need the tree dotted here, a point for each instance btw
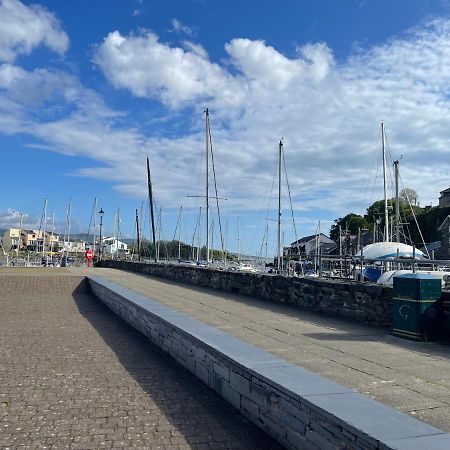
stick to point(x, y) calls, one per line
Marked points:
point(376, 211)
point(351, 222)
point(411, 194)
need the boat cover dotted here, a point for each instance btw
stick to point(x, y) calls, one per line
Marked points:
point(388, 250)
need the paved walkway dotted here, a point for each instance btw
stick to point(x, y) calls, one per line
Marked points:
point(411, 377)
point(72, 375)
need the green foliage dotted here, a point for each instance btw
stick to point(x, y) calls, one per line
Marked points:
point(169, 250)
point(351, 222)
point(429, 219)
point(376, 211)
point(429, 222)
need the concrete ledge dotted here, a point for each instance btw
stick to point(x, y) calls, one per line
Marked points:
point(298, 408)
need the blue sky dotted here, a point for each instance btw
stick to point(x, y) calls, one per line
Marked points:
point(88, 89)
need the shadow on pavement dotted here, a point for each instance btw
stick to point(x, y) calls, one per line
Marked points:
point(203, 418)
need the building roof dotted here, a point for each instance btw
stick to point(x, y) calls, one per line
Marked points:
point(326, 248)
point(431, 246)
point(112, 239)
point(445, 223)
point(445, 191)
point(307, 239)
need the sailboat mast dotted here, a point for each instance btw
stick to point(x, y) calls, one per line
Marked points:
point(53, 231)
point(318, 253)
point(212, 241)
point(207, 183)
point(397, 203)
point(44, 225)
point(239, 238)
point(138, 236)
point(386, 212)
point(225, 253)
point(179, 236)
point(67, 231)
point(117, 237)
point(20, 234)
point(94, 213)
point(69, 218)
point(199, 237)
point(159, 233)
point(280, 154)
point(150, 199)
point(267, 239)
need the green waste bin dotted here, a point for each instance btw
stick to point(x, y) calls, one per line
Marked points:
point(416, 306)
point(445, 306)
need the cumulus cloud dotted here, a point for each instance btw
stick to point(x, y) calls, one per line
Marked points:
point(179, 76)
point(263, 64)
point(11, 219)
point(149, 68)
point(26, 27)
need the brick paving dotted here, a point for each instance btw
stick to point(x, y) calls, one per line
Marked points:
point(72, 375)
point(413, 377)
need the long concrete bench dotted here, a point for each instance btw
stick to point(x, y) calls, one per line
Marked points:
point(298, 408)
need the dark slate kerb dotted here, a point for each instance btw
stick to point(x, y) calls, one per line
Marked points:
point(374, 421)
point(432, 442)
point(371, 421)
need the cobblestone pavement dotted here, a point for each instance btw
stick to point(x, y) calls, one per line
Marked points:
point(72, 375)
point(409, 376)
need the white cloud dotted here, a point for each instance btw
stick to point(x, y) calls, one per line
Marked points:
point(196, 49)
point(263, 64)
point(180, 28)
point(29, 99)
point(149, 68)
point(179, 77)
point(11, 219)
point(25, 27)
point(328, 111)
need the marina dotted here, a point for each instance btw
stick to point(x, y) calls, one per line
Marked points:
point(225, 225)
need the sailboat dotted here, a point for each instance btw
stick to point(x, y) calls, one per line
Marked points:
point(209, 156)
point(389, 250)
point(383, 251)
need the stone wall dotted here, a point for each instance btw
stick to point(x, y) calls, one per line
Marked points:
point(362, 302)
point(298, 408)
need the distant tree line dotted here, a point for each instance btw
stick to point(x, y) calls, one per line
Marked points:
point(169, 250)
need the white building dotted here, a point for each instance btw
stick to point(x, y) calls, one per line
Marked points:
point(72, 246)
point(112, 245)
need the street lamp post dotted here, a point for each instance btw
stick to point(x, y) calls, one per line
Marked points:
point(100, 246)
